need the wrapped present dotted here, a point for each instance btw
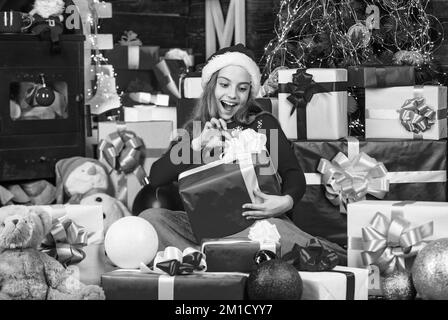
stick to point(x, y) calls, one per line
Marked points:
point(136, 285)
point(191, 86)
point(77, 240)
point(313, 103)
point(169, 74)
point(410, 174)
point(131, 54)
point(406, 112)
point(150, 113)
point(389, 234)
point(234, 254)
point(149, 98)
point(155, 137)
point(213, 194)
point(380, 77)
point(340, 283)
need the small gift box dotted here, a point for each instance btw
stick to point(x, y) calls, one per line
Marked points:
point(191, 86)
point(136, 285)
point(411, 174)
point(340, 283)
point(130, 54)
point(213, 194)
point(406, 112)
point(150, 113)
point(234, 254)
point(77, 240)
point(155, 137)
point(312, 103)
point(389, 234)
point(380, 77)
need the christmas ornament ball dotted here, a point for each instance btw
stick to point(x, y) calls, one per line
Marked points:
point(274, 280)
point(45, 96)
point(398, 286)
point(130, 241)
point(430, 271)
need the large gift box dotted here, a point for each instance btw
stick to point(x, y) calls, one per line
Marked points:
point(380, 77)
point(312, 103)
point(399, 228)
point(406, 112)
point(235, 254)
point(414, 170)
point(340, 283)
point(86, 260)
point(135, 285)
point(153, 139)
point(213, 194)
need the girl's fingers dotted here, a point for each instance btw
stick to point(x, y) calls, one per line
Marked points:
point(226, 135)
point(208, 125)
point(260, 194)
point(253, 206)
point(253, 215)
point(223, 124)
point(216, 123)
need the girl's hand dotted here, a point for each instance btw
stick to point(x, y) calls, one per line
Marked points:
point(211, 136)
point(272, 206)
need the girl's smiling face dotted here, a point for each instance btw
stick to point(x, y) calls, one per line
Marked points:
point(232, 90)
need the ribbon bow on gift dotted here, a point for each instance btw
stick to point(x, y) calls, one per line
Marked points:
point(301, 89)
point(386, 243)
point(129, 38)
point(64, 241)
point(416, 116)
point(350, 180)
point(124, 146)
point(313, 257)
point(174, 262)
point(244, 142)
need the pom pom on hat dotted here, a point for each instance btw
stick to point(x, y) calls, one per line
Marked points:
point(237, 55)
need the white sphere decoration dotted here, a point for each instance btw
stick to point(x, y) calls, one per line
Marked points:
point(130, 241)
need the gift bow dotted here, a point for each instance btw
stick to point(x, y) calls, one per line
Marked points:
point(416, 116)
point(264, 232)
point(314, 257)
point(301, 89)
point(129, 38)
point(64, 241)
point(174, 262)
point(246, 141)
point(350, 180)
point(386, 243)
point(124, 146)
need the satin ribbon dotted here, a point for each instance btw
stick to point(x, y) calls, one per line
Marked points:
point(313, 257)
point(121, 153)
point(129, 38)
point(386, 242)
point(350, 180)
point(416, 116)
point(64, 241)
point(173, 262)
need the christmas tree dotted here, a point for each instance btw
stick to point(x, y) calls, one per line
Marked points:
point(342, 33)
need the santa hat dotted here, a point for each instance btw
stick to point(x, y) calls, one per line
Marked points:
point(64, 168)
point(237, 55)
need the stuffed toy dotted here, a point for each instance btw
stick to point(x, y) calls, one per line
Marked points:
point(27, 273)
point(76, 177)
point(48, 17)
point(113, 209)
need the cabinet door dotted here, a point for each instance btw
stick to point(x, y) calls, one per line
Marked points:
point(26, 110)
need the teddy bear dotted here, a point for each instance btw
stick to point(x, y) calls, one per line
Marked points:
point(113, 209)
point(77, 176)
point(27, 273)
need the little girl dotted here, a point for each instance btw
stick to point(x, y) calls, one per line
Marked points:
point(231, 81)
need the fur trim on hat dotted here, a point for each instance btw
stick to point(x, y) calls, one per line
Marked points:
point(233, 58)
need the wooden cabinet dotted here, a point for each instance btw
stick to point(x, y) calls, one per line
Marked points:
point(34, 137)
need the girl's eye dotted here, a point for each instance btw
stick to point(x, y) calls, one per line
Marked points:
point(224, 85)
point(243, 89)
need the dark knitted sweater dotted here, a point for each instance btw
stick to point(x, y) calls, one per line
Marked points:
point(163, 171)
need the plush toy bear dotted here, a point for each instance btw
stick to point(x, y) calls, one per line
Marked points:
point(25, 272)
point(78, 176)
point(113, 209)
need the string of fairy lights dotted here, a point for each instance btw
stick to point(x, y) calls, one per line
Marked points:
point(334, 33)
point(97, 57)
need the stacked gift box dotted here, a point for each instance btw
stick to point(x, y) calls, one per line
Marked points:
point(402, 157)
